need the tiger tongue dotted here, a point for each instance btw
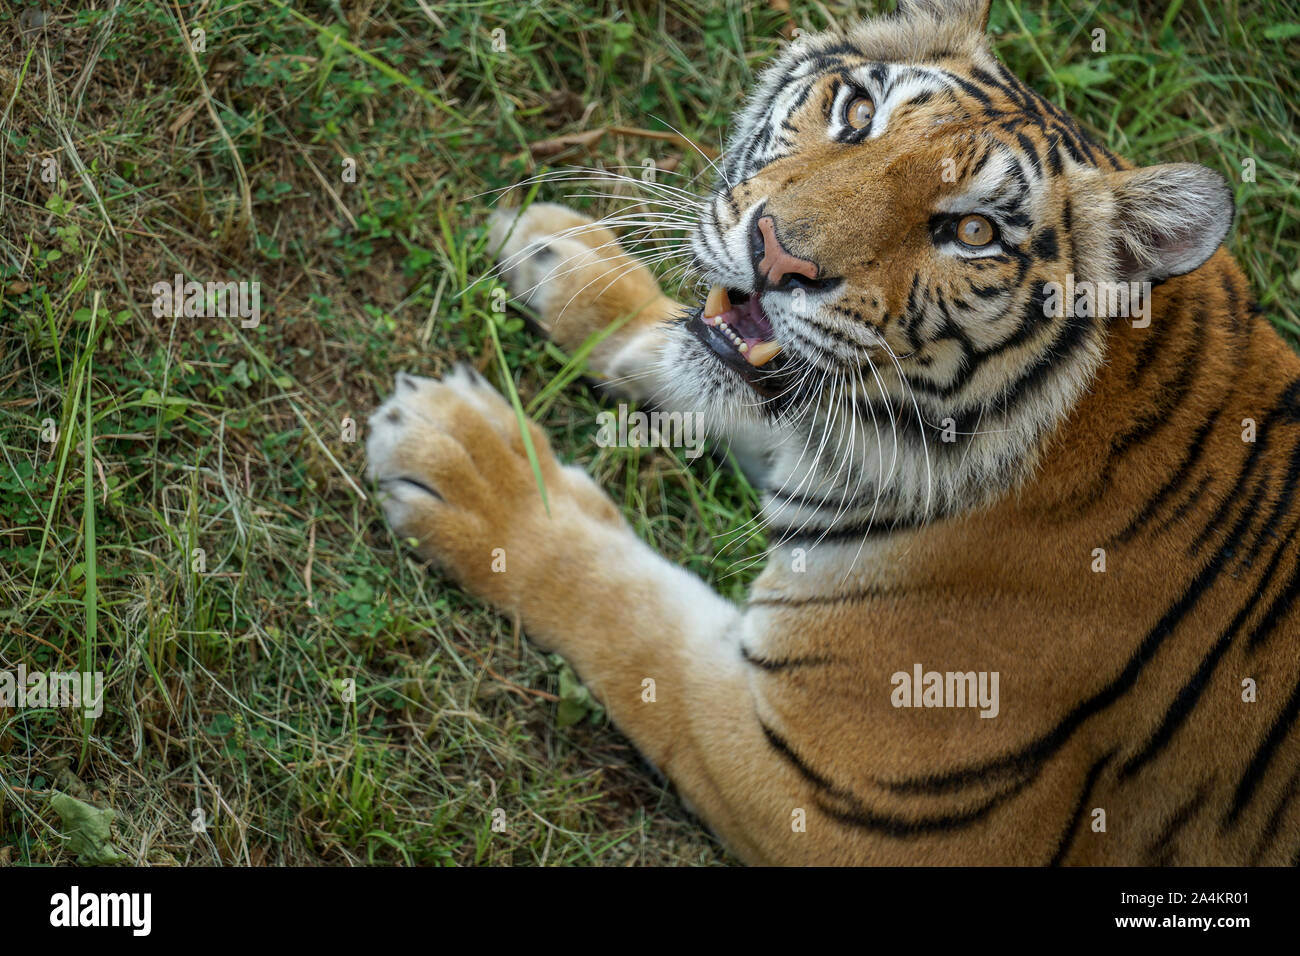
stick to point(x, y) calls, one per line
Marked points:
point(749, 320)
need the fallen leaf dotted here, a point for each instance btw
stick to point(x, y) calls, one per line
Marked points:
point(559, 144)
point(88, 831)
point(665, 137)
point(576, 701)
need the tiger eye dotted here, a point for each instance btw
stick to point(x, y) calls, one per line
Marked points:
point(975, 231)
point(859, 112)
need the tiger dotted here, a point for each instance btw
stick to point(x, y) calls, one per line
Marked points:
point(1031, 583)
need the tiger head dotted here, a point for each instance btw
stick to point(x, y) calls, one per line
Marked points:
point(889, 222)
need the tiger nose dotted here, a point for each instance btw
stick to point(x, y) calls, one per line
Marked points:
point(774, 262)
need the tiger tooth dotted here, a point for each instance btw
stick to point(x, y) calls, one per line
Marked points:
point(717, 303)
point(762, 353)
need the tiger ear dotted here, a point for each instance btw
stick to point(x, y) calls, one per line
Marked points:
point(1169, 218)
point(973, 12)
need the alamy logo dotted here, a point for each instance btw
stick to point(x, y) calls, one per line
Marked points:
point(653, 430)
point(948, 689)
point(103, 909)
point(208, 299)
point(1104, 299)
point(23, 690)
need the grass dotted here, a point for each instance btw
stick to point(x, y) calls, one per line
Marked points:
point(180, 506)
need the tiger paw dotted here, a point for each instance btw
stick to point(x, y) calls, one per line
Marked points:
point(573, 274)
point(454, 475)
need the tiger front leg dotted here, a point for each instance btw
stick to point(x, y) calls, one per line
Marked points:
point(654, 643)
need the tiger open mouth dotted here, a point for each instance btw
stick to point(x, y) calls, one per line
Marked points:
point(733, 325)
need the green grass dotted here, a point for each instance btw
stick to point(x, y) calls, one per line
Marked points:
point(226, 679)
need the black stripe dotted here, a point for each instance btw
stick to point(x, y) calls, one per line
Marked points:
point(1283, 410)
point(1191, 692)
point(1187, 697)
point(1044, 245)
point(1011, 90)
point(1250, 780)
point(988, 291)
point(799, 101)
point(1072, 147)
point(904, 827)
point(1031, 153)
point(1186, 505)
point(1033, 318)
point(860, 816)
point(779, 744)
point(857, 531)
point(828, 356)
point(1067, 836)
point(785, 664)
point(850, 345)
point(1046, 745)
point(816, 599)
point(1281, 604)
point(1154, 339)
point(1283, 504)
point(846, 503)
point(1153, 504)
point(1065, 345)
point(970, 88)
point(1054, 156)
point(1159, 408)
point(1275, 818)
point(1160, 852)
point(711, 236)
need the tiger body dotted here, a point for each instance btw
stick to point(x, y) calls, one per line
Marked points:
point(1108, 525)
point(1134, 674)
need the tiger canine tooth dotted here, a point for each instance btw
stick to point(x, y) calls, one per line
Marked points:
point(762, 353)
point(717, 302)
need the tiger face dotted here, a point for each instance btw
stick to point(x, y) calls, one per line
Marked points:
point(888, 224)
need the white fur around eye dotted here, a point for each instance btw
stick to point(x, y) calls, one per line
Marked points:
point(896, 90)
point(862, 85)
